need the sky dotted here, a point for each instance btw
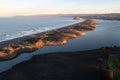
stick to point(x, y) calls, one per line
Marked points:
point(10, 8)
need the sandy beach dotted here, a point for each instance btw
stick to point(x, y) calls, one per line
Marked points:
point(60, 40)
point(12, 48)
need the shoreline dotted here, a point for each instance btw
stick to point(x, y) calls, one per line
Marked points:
point(13, 48)
point(61, 64)
point(102, 19)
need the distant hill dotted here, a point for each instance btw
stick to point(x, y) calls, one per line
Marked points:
point(111, 16)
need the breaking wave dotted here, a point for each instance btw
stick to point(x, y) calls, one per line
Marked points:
point(31, 27)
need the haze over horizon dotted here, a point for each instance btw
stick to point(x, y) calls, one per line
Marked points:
point(11, 8)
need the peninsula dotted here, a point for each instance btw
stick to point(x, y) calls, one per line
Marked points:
point(12, 48)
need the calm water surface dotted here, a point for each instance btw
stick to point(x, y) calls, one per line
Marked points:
point(106, 34)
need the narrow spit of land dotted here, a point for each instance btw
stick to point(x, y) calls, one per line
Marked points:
point(12, 48)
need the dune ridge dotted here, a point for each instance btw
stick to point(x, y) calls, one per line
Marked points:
point(12, 48)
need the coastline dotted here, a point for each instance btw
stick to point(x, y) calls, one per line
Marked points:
point(90, 17)
point(12, 48)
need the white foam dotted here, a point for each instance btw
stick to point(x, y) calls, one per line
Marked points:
point(39, 29)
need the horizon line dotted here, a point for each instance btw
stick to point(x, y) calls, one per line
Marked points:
point(33, 15)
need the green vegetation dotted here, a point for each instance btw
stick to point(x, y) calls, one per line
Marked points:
point(114, 65)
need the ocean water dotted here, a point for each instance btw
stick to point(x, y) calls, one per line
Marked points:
point(16, 27)
point(107, 33)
